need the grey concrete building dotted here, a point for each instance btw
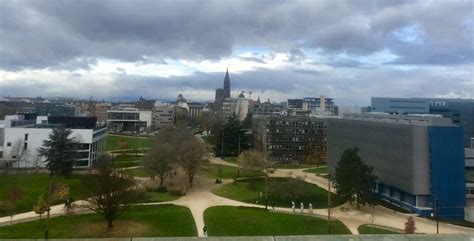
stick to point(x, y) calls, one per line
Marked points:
point(419, 160)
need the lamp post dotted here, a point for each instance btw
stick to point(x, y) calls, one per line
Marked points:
point(436, 214)
point(329, 204)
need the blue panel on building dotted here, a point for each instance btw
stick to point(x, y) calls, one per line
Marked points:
point(447, 170)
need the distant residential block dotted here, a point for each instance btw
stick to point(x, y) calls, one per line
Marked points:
point(288, 139)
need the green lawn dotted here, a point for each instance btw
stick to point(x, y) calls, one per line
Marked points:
point(317, 170)
point(138, 221)
point(228, 172)
point(133, 142)
point(230, 159)
point(246, 221)
point(152, 196)
point(138, 172)
point(34, 185)
point(374, 229)
point(248, 190)
point(292, 166)
point(121, 161)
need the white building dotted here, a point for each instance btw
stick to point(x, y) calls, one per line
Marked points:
point(20, 140)
point(128, 120)
point(235, 106)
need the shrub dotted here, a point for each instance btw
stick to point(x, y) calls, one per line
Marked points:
point(162, 189)
point(175, 191)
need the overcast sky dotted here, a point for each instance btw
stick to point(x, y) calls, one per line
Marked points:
point(349, 50)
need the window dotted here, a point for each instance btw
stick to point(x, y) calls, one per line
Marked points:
point(25, 146)
point(26, 136)
point(9, 144)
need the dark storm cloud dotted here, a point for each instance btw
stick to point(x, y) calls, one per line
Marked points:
point(39, 34)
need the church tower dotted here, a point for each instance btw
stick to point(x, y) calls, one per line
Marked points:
point(227, 84)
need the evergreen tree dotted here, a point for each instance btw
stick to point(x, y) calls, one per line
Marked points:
point(60, 152)
point(234, 136)
point(354, 179)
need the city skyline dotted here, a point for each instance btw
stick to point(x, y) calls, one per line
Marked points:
point(350, 51)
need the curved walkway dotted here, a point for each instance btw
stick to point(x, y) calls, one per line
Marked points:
point(200, 197)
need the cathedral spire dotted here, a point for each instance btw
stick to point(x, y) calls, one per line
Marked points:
point(227, 84)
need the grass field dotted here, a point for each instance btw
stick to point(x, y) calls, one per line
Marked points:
point(248, 190)
point(121, 161)
point(228, 172)
point(152, 196)
point(133, 142)
point(317, 170)
point(373, 229)
point(138, 221)
point(258, 222)
point(230, 159)
point(34, 185)
point(293, 166)
point(138, 172)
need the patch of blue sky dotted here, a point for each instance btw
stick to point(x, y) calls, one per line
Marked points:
point(238, 50)
point(412, 34)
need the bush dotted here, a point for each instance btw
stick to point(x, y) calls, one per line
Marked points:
point(175, 192)
point(162, 189)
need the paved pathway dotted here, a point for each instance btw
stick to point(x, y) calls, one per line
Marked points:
point(200, 197)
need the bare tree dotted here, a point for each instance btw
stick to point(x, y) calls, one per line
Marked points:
point(160, 160)
point(14, 195)
point(19, 152)
point(410, 226)
point(193, 155)
point(256, 161)
point(111, 193)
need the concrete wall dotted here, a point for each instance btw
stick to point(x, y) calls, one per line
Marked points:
point(398, 152)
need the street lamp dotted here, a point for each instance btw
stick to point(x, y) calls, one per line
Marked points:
point(436, 215)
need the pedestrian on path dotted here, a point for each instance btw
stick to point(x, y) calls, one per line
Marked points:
point(301, 207)
point(273, 205)
point(293, 205)
point(204, 230)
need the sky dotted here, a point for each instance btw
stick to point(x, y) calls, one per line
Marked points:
point(348, 50)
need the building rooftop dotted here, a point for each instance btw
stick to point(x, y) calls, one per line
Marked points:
point(425, 120)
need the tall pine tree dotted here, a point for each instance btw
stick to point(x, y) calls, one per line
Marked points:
point(355, 181)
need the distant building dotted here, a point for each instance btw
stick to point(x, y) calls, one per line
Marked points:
point(128, 120)
point(162, 115)
point(30, 135)
point(321, 106)
point(235, 106)
point(288, 139)
point(264, 108)
point(461, 111)
point(195, 110)
point(419, 160)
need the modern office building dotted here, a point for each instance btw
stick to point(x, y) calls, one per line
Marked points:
point(461, 111)
point(128, 120)
point(320, 106)
point(419, 160)
point(20, 139)
point(163, 115)
point(288, 139)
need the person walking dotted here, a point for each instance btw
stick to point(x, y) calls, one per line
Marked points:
point(204, 230)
